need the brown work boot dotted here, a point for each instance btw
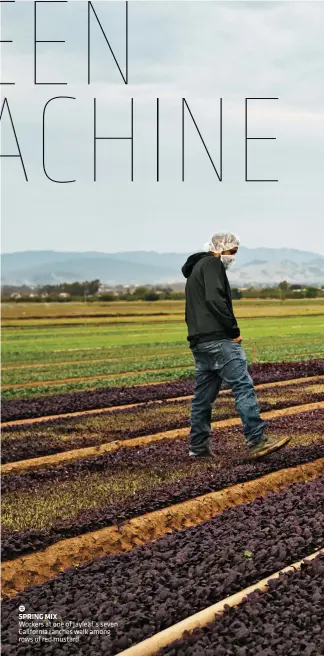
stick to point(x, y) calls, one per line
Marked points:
point(205, 454)
point(267, 445)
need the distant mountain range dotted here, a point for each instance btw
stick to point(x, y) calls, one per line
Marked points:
point(259, 266)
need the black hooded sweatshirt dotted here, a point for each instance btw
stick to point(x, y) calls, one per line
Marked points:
point(209, 309)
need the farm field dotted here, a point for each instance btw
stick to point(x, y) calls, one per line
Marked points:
point(180, 574)
point(57, 311)
point(123, 423)
point(106, 518)
point(51, 359)
point(142, 479)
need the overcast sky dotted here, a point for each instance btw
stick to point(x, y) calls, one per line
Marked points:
point(198, 50)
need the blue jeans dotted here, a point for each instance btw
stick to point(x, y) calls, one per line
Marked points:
point(218, 361)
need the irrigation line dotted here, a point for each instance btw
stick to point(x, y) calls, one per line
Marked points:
point(87, 452)
point(152, 645)
point(38, 567)
point(114, 408)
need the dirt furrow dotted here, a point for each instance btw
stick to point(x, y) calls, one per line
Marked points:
point(21, 466)
point(36, 568)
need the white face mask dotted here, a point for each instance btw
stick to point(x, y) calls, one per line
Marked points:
point(227, 260)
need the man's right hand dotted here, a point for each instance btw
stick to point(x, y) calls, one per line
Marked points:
point(238, 339)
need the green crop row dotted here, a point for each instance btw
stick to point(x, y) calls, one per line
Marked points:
point(124, 365)
point(90, 337)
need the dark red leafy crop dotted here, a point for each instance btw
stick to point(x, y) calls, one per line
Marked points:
point(156, 585)
point(67, 433)
point(190, 484)
point(286, 620)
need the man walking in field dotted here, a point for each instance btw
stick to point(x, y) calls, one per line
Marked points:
point(215, 341)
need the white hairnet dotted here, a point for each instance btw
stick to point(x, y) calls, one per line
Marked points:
point(222, 241)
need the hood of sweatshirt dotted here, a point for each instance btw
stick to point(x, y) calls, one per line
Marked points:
point(191, 261)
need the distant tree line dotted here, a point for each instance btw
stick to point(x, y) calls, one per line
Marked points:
point(63, 292)
point(93, 290)
point(284, 290)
